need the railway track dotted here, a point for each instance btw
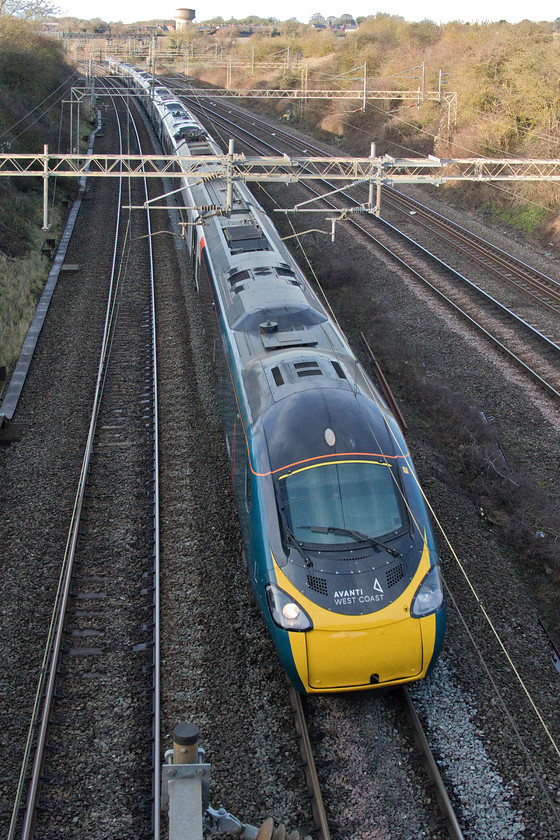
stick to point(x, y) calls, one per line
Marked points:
point(539, 287)
point(528, 340)
point(113, 445)
point(229, 133)
point(101, 658)
point(444, 821)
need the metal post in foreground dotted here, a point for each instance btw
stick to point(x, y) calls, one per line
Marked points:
point(185, 791)
point(185, 744)
point(371, 180)
point(182, 784)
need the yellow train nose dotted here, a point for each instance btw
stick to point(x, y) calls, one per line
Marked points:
point(355, 658)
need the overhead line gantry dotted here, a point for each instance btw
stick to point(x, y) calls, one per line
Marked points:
point(231, 167)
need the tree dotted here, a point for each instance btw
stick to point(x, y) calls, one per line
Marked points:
point(317, 19)
point(27, 9)
point(346, 20)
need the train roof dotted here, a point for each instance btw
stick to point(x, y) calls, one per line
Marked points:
point(357, 427)
point(292, 357)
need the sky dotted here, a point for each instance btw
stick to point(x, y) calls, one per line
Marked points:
point(440, 11)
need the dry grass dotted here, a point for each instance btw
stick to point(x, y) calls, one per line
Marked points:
point(21, 283)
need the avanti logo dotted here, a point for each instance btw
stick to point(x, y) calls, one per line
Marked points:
point(346, 597)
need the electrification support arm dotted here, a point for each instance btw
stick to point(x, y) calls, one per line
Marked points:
point(46, 188)
point(372, 179)
point(229, 193)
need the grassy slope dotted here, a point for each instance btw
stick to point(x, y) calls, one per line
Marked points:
point(31, 69)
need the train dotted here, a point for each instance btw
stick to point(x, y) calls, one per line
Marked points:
point(337, 539)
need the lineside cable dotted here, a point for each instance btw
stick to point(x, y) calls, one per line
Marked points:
point(478, 600)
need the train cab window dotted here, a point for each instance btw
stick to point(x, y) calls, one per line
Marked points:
point(320, 501)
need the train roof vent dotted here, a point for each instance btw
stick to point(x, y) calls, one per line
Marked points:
point(284, 271)
point(338, 369)
point(260, 272)
point(277, 374)
point(288, 338)
point(308, 369)
point(191, 135)
point(242, 238)
point(199, 148)
point(238, 276)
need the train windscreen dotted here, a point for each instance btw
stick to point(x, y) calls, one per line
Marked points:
point(337, 501)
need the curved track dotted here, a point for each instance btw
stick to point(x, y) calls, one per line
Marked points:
point(90, 663)
point(532, 348)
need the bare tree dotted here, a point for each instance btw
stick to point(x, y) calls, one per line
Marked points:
point(27, 9)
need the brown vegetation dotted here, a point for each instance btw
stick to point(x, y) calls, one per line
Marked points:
point(31, 69)
point(508, 101)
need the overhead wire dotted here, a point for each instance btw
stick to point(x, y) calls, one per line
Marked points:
point(461, 566)
point(46, 111)
point(490, 623)
point(435, 137)
point(26, 279)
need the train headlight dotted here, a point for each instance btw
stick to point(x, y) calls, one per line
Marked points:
point(291, 611)
point(286, 613)
point(429, 595)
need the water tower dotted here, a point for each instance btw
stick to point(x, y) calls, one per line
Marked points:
point(182, 17)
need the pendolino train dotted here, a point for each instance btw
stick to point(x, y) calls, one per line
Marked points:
point(338, 544)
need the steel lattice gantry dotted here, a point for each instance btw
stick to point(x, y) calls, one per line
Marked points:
point(231, 167)
point(283, 168)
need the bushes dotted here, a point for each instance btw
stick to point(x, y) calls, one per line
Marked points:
point(525, 217)
point(31, 68)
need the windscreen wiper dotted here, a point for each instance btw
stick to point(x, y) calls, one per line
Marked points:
point(297, 546)
point(350, 532)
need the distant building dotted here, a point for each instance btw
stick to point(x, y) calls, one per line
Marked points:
point(183, 17)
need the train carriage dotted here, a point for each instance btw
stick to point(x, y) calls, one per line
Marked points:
point(338, 543)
